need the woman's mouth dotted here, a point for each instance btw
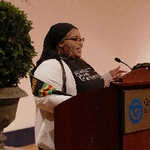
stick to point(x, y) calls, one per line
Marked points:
point(79, 50)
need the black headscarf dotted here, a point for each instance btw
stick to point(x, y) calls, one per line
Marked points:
point(54, 36)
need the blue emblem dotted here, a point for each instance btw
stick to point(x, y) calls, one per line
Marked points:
point(135, 111)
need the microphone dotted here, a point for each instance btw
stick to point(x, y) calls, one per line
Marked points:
point(69, 46)
point(63, 58)
point(69, 49)
point(118, 60)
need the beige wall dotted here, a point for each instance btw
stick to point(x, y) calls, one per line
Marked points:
point(110, 27)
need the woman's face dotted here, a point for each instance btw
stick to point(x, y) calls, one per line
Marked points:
point(71, 46)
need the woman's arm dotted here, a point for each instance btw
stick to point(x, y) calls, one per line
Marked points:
point(50, 72)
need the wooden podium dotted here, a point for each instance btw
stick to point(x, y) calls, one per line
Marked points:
point(113, 118)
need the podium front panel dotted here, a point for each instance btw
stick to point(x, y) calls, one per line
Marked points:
point(136, 119)
point(89, 121)
point(137, 110)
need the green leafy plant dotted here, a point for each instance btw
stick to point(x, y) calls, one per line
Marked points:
point(16, 49)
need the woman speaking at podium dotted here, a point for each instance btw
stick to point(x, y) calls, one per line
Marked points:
point(60, 73)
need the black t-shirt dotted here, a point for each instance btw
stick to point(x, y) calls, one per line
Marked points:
point(86, 77)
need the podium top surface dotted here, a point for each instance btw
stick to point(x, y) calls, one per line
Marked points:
point(135, 77)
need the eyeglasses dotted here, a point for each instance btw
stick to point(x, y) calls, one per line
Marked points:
point(76, 39)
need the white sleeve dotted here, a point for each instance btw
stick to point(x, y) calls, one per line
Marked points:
point(50, 72)
point(107, 78)
point(50, 101)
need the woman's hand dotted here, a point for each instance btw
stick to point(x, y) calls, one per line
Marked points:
point(117, 73)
